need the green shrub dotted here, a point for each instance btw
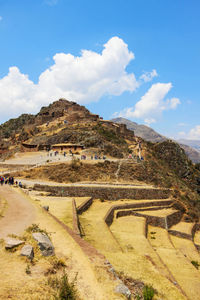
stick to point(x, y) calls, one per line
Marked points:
point(195, 264)
point(148, 292)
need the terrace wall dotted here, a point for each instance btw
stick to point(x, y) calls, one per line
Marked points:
point(104, 193)
point(110, 214)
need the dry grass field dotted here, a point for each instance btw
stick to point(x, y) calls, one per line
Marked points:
point(159, 260)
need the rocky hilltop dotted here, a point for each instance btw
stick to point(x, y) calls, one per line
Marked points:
point(64, 121)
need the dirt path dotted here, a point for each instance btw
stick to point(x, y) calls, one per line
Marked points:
point(136, 184)
point(18, 215)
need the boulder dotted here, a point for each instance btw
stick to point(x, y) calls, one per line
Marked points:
point(27, 251)
point(122, 289)
point(44, 243)
point(12, 243)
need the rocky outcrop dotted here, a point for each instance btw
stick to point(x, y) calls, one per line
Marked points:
point(124, 290)
point(44, 243)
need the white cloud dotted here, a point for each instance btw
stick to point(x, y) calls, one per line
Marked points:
point(148, 76)
point(83, 79)
point(193, 134)
point(151, 104)
point(172, 103)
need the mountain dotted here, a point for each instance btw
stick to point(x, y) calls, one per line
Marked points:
point(142, 131)
point(191, 143)
point(191, 148)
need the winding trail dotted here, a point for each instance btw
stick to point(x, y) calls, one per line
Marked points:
point(19, 214)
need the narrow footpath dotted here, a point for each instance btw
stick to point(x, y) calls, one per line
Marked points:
point(19, 213)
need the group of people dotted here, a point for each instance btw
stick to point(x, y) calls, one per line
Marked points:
point(9, 180)
point(83, 157)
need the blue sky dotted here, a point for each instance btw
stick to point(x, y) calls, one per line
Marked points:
point(142, 60)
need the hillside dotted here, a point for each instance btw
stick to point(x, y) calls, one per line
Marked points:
point(67, 122)
point(191, 148)
point(142, 198)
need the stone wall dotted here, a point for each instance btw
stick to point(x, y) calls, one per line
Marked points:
point(104, 193)
point(76, 224)
point(110, 214)
point(150, 220)
point(195, 228)
point(174, 218)
point(162, 222)
point(180, 234)
point(84, 206)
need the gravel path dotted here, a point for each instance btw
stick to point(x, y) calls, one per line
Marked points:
point(19, 214)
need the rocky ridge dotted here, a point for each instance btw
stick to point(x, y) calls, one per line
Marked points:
point(147, 133)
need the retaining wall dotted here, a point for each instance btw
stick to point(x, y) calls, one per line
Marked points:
point(180, 234)
point(110, 214)
point(104, 193)
point(195, 228)
point(84, 206)
point(76, 225)
point(162, 222)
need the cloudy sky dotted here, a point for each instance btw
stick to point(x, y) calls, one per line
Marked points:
point(138, 59)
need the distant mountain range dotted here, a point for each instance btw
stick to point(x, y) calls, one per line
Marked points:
point(191, 147)
point(192, 143)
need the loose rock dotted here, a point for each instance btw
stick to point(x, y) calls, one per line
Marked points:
point(12, 243)
point(44, 243)
point(46, 207)
point(27, 251)
point(122, 289)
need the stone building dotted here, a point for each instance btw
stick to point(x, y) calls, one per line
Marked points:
point(73, 148)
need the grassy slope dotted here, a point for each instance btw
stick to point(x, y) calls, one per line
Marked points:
point(165, 165)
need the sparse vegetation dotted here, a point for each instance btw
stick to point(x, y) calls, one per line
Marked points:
point(196, 264)
point(148, 292)
point(28, 269)
point(56, 265)
point(75, 164)
point(36, 228)
point(64, 289)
